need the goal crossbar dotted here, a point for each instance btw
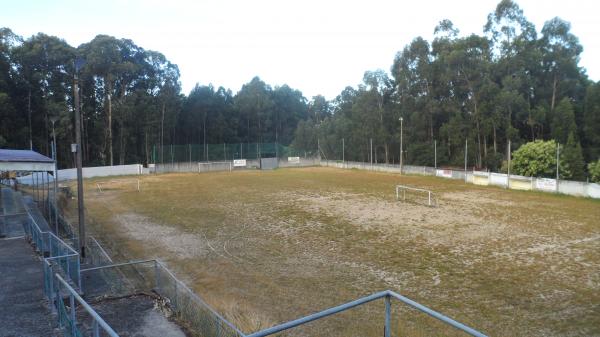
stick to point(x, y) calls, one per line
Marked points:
point(215, 166)
point(404, 188)
point(136, 181)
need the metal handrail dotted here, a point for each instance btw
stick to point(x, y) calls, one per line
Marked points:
point(346, 306)
point(436, 314)
point(95, 316)
point(118, 265)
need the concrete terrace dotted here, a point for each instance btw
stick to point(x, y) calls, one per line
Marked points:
point(24, 310)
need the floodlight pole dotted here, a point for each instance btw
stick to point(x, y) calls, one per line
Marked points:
point(79, 163)
point(343, 152)
point(55, 157)
point(401, 149)
point(557, 164)
point(435, 153)
point(371, 153)
point(508, 175)
point(466, 153)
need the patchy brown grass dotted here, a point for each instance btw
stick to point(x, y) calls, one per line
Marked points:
point(267, 247)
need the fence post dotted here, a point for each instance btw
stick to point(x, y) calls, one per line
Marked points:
point(508, 173)
point(57, 298)
point(96, 329)
point(435, 153)
point(156, 279)
point(466, 156)
point(388, 314)
point(343, 151)
point(72, 304)
point(175, 296)
point(557, 164)
point(78, 266)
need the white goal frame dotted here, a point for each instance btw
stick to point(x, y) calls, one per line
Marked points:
point(99, 184)
point(216, 164)
point(430, 197)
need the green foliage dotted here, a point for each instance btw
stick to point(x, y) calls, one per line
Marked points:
point(535, 159)
point(594, 170)
point(591, 118)
point(507, 84)
point(493, 161)
point(563, 123)
point(573, 159)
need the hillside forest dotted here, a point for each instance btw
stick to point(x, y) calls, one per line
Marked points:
point(512, 82)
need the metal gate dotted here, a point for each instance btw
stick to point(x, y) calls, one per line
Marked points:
point(268, 163)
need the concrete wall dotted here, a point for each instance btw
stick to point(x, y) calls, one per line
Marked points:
point(101, 171)
point(303, 162)
point(88, 172)
point(574, 188)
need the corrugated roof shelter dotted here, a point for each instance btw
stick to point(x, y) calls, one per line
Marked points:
point(25, 160)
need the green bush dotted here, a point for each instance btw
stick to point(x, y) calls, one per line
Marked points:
point(538, 159)
point(594, 170)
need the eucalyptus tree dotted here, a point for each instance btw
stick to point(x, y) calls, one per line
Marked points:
point(102, 56)
point(11, 123)
point(254, 102)
point(516, 59)
point(413, 74)
point(592, 122)
point(560, 58)
point(43, 63)
point(469, 61)
point(289, 107)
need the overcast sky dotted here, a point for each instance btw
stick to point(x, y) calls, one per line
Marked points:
point(318, 47)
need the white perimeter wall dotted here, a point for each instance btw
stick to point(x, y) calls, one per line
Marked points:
point(88, 172)
point(574, 188)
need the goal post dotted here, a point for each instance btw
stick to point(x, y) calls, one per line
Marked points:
point(401, 191)
point(118, 184)
point(215, 166)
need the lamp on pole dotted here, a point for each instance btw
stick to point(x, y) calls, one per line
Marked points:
point(53, 120)
point(401, 148)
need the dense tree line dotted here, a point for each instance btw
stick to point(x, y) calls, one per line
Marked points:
point(131, 100)
point(509, 84)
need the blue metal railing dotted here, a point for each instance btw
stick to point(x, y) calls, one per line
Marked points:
point(69, 320)
point(56, 252)
point(387, 296)
point(168, 286)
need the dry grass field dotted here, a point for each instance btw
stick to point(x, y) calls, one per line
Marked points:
point(267, 247)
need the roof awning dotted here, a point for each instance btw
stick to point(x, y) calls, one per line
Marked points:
point(25, 160)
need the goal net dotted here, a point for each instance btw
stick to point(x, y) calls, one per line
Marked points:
point(416, 195)
point(120, 185)
point(215, 166)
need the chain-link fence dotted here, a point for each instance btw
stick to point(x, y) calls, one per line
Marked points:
point(222, 152)
point(147, 276)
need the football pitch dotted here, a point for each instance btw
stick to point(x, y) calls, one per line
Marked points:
point(267, 247)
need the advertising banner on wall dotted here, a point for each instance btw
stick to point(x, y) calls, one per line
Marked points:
point(239, 162)
point(294, 160)
point(545, 184)
point(444, 173)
